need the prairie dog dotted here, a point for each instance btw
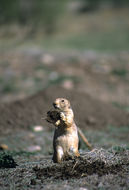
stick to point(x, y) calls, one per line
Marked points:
point(65, 141)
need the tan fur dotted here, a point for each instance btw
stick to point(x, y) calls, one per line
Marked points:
point(65, 142)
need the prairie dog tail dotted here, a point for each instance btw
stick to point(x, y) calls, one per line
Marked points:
point(84, 139)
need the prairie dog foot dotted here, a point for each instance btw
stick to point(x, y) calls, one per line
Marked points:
point(58, 155)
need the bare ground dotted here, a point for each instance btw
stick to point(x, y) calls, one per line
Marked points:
point(104, 125)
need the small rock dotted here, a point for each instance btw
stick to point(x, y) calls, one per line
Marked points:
point(34, 148)
point(67, 84)
point(38, 128)
point(3, 147)
point(47, 59)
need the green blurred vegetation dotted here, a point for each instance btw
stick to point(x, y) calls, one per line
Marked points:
point(6, 160)
point(40, 12)
point(94, 4)
point(73, 24)
point(45, 12)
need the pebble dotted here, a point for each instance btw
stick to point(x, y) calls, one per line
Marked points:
point(38, 128)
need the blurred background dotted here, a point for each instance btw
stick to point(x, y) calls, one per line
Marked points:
point(78, 48)
point(80, 44)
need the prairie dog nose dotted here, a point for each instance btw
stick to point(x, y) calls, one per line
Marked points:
point(54, 104)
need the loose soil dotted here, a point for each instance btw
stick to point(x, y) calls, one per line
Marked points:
point(33, 169)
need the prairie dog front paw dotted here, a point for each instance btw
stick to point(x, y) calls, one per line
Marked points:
point(57, 123)
point(62, 116)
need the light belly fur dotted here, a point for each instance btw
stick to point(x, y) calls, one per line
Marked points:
point(67, 142)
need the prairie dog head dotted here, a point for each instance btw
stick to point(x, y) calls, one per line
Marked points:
point(61, 104)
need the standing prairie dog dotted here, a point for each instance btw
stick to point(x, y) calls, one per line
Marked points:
point(65, 142)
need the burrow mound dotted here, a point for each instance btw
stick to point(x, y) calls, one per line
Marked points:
point(89, 112)
point(98, 161)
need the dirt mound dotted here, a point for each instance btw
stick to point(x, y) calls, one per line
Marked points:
point(98, 161)
point(88, 111)
point(98, 169)
point(106, 165)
